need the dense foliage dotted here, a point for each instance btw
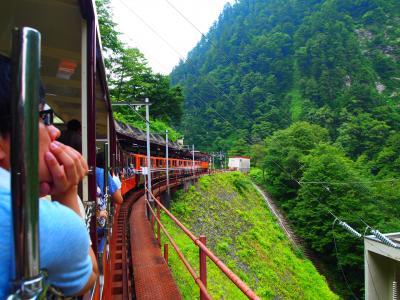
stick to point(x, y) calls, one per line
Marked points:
point(248, 240)
point(266, 64)
point(310, 89)
point(130, 79)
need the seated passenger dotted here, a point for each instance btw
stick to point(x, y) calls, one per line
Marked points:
point(113, 189)
point(64, 242)
point(72, 136)
point(115, 177)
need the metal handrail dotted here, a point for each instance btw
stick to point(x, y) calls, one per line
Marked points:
point(229, 273)
point(182, 257)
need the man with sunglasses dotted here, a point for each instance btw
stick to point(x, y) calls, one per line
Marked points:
point(64, 242)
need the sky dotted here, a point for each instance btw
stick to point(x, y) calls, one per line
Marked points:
point(157, 29)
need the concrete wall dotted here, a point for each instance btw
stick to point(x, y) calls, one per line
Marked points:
point(239, 163)
point(382, 268)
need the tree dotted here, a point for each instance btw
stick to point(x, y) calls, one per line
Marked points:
point(111, 43)
point(363, 134)
point(320, 195)
point(282, 163)
point(131, 79)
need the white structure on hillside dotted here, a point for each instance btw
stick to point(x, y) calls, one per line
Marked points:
point(382, 268)
point(239, 163)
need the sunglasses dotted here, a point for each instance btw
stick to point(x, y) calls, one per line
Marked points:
point(47, 116)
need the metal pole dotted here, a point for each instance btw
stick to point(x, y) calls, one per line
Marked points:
point(148, 149)
point(166, 252)
point(203, 266)
point(24, 160)
point(193, 158)
point(158, 225)
point(145, 199)
point(105, 191)
point(105, 178)
point(167, 161)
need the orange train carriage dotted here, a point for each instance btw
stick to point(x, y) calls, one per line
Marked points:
point(158, 165)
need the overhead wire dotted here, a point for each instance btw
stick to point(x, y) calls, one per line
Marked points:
point(225, 96)
point(338, 262)
point(152, 29)
point(182, 57)
point(221, 93)
point(234, 127)
point(350, 182)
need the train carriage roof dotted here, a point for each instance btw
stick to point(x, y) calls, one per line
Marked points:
point(134, 140)
point(60, 23)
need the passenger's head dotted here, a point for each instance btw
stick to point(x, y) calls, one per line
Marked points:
point(47, 134)
point(100, 160)
point(5, 96)
point(74, 125)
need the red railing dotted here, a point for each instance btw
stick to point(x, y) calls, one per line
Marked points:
point(200, 242)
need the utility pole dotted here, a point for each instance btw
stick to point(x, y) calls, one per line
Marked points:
point(193, 158)
point(166, 160)
point(148, 149)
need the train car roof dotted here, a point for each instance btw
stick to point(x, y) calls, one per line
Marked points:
point(134, 140)
point(61, 24)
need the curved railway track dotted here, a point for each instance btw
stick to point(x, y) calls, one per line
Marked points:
point(125, 269)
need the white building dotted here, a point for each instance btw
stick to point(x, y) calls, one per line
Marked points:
point(239, 163)
point(382, 268)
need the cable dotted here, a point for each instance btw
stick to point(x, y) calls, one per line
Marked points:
point(183, 16)
point(153, 30)
point(338, 262)
point(350, 182)
point(181, 57)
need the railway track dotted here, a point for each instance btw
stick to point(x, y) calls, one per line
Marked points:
point(122, 284)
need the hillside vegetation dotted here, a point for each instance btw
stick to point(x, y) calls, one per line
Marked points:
point(309, 89)
point(130, 79)
point(245, 236)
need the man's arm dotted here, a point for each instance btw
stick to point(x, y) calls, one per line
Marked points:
point(115, 192)
point(67, 168)
point(93, 276)
point(117, 197)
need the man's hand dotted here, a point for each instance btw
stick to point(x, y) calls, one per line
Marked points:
point(67, 168)
point(102, 214)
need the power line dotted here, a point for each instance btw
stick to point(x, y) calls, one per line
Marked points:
point(182, 57)
point(183, 16)
point(221, 93)
point(153, 30)
point(338, 262)
point(350, 182)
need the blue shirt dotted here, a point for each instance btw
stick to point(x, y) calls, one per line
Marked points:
point(112, 186)
point(64, 244)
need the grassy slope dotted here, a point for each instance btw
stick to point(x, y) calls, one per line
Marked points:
point(245, 236)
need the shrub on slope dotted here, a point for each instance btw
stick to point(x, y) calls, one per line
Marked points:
point(245, 236)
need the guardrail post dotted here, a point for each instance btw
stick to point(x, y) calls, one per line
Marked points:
point(166, 252)
point(203, 266)
point(158, 224)
point(152, 222)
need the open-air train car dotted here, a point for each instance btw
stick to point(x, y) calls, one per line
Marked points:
point(74, 78)
point(72, 72)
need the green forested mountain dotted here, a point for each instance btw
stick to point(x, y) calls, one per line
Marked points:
point(268, 63)
point(311, 90)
